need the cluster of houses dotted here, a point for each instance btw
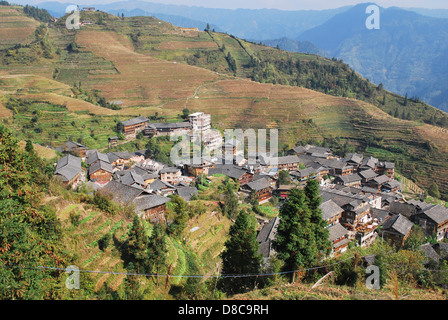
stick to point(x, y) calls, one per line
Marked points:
point(361, 200)
point(197, 122)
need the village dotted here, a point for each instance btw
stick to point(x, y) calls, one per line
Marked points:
point(361, 198)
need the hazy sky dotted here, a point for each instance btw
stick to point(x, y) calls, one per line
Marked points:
point(281, 4)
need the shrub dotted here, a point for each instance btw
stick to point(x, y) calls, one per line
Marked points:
point(75, 218)
point(104, 241)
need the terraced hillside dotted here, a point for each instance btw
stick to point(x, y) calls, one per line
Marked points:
point(15, 27)
point(147, 65)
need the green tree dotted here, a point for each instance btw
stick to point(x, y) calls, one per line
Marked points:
point(314, 200)
point(434, 190)
point(230, 200)
point(241, 255)
point(180, 209)
point(136, 246)
point(296, 239)
point(284, 177)
point(157, 250)
point(185, 113)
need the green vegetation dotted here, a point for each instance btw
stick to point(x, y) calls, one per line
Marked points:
point(241, 255)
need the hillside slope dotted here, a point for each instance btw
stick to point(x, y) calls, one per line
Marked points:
point(147, 73)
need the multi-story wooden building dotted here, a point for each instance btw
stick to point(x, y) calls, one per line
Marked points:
point(133, 126)
point(262, 189)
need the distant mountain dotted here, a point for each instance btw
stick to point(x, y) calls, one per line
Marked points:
point(260, 24)
point(295, 46)
point(435, 13)
point(408, 54)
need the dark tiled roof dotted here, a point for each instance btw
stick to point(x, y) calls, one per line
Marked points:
point(95, 155)
point(134, 121)
point(337, 231)
point(429, 252)
point(330, 209)
point(399, 223)
point(392, 184)
point(380, 215)
point(170, 170)
point(72, 145)
point(168, 125)
point(148, 201)
point(368, 174)
point(120, 192)
point(229, 170)
point(187, 192)
point(381, 179)
point(100, 165)
point(354, 157)
point(259, 184)
point(268, 231)
point(131, 177)
point(437, 213)
point(68, 167)
point(350, 178)
point(159, 184)
point(404, 209)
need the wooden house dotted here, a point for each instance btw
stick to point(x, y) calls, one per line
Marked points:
point(68, 169)
point(74, 148)
point(151, 207)
point(331, 212)
point(243, 176)
point(396, 230)
point(434, 220)
point(166, 128)
point(338, 236)
point(113, 141)
point(133, 126)
point(100, 172)
point(262, 189)
point(350, 180)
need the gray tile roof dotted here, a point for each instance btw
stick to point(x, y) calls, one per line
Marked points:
point(381, 179)
point(187, 192)
point(268, 231)
point(100, 165)
point(259, 184)
point(330, 209)
point(159, 184)
point(134, 121)
point(429, 252)
point(349, 178)
point(131, 177)
point(120, 192)
point(368, 174)
point(437, 213)
point(148, 201)
point(170, 170)
point(398, 223)
point(95, 155)
point(68, 167)
point(337, 231)
point(229, 170)
point(354, 157)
